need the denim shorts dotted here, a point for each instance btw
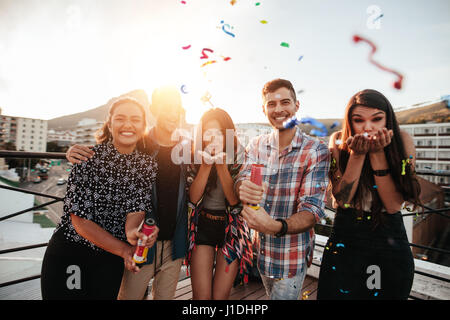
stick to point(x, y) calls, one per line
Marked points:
point(211, 228)
point(285, 288)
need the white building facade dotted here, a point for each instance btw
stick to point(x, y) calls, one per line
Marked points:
point(432, 142)
point(26, 133)
point(63, 138)
point(85, 131)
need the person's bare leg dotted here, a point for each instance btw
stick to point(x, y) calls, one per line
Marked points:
point(223, 281)
point(202, 262)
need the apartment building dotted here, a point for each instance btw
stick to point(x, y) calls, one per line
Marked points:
point(85, 131)
point(27, 134)
point(62, 138)
point(432, 142)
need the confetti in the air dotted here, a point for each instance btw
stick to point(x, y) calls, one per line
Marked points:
point(397, 84)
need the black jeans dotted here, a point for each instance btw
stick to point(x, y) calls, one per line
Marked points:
point(74, 271)
point(363, 263)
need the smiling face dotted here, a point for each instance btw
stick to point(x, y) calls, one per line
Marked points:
point(364, 119)
point(279, 106)
point(127, 126)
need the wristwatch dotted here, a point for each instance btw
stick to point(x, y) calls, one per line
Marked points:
point(381, 173)
point(284, 228)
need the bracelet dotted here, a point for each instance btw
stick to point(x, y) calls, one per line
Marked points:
point(381, 173)
point(284, 228)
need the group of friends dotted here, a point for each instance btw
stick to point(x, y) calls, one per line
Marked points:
point(211, 217)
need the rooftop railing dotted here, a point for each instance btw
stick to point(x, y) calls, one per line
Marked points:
point(56, 155)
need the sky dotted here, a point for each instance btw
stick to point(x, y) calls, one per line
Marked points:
point(59, 57)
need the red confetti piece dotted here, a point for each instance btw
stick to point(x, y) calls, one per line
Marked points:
point(186, 47)
point(226, 59)
point(204, 56)
point(397, 84)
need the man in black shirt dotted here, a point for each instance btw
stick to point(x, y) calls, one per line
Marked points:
point(165, 258)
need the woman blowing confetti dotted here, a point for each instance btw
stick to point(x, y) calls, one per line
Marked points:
point(215, 221)
point(367, 255)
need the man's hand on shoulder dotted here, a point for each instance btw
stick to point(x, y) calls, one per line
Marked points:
point(79, 153)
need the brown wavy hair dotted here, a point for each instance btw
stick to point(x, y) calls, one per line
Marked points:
point(407, 184)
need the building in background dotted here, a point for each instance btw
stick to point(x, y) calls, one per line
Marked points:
point(25, 133)
point(432, 142)
point(85, 131)
point(62, 138)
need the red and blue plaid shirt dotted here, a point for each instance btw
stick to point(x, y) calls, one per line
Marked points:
point(297, 181)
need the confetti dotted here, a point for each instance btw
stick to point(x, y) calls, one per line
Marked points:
point(263, 21)
point(305, 294)
point(208, 62)
point(344, 291)
point(284, 44)
point(404, 162)
point(207, 98)
point(301, 57)
point(346, 205)
point(333, 162)
point(257, 4)
point(369, 217)
point(397, 84)
point(204, 56)
point(340, 245)
point(334, 268)
point(183, 89)
point(292, 122)
point(186, 47)
point(335, 124)
point(379, 17)
point(376, 294)
point(233, 2)
point(183, 2)
point(375, 187)
point(226, 31)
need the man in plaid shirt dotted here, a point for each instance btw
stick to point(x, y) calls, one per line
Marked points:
point(292, 198)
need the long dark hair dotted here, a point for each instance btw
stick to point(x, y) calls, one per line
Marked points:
point(406, 184)
point(225, 122)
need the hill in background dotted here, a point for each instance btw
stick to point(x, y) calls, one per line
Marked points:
point(434, 112)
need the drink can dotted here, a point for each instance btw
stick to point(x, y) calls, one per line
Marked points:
point(140, 255)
